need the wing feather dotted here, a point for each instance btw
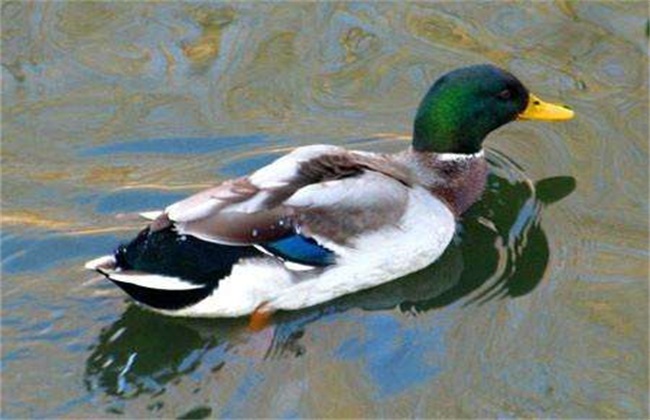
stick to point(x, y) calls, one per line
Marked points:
point(340, 210)
point(321, 191)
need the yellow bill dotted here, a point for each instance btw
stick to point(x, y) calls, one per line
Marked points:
point(540, 110)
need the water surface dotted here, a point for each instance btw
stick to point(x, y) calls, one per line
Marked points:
point(539, 308)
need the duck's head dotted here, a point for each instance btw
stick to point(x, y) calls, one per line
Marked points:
point(463, 106)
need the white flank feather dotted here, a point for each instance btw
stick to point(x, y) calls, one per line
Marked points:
point(251, 283)
point(423, 234)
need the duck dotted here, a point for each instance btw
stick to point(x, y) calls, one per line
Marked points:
point(322, 221)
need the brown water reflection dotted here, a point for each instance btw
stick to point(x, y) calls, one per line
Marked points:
point(538, 310)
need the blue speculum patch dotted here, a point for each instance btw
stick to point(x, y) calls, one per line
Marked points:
point(300, 249)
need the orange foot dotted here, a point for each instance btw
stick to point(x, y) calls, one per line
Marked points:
point(260, 318)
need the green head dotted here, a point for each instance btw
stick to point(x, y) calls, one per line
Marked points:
point(465, 105)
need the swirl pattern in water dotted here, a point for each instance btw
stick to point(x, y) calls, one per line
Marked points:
point(538, 309)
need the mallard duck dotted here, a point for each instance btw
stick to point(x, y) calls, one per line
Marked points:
point(323, 221)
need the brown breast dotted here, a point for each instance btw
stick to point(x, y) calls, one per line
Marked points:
point(459, 182)
point(464, 183)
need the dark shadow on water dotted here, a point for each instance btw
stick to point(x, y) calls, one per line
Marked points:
point(500, 251)
point(142, 351)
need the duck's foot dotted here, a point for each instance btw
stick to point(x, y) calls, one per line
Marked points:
point(260, 318)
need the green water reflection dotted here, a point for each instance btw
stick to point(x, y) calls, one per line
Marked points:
point(538, 309)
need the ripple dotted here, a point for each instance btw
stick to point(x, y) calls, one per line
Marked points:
point(108, 107)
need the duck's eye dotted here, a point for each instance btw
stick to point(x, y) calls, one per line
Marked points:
point(505, 94)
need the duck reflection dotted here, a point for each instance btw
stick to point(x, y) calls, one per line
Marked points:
point(500, 251)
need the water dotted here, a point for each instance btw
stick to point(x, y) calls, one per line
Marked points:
point(539, 307)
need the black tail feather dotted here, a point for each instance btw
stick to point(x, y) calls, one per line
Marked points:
point(167, 253)
point(163, 299)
